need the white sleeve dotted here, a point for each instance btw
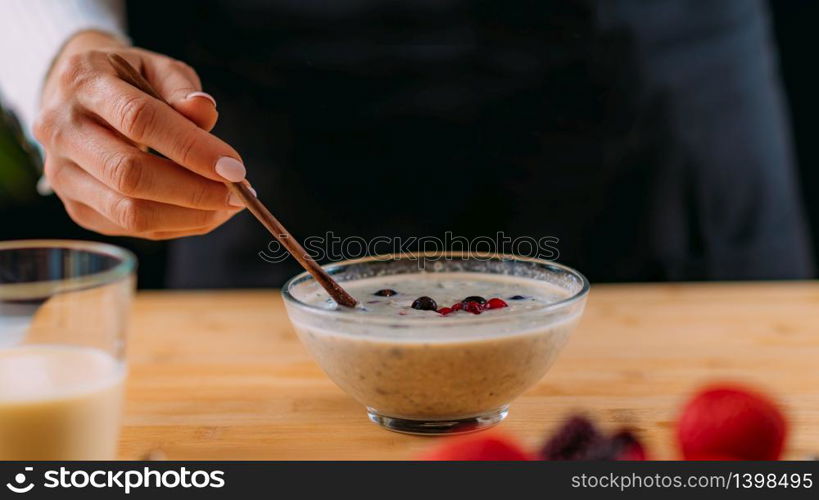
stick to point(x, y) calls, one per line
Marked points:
point(31, 34)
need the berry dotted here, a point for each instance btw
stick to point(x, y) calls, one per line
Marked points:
point(444, 311)
point(496, 304)
point(475, 298)
point(579, 439)
point(473, 307)
point(712, 458)
point(386, 292)
point(457, 306)
point(573, 441)
point(731, 421)
point(475, 447)
point(625, 446)
point(425, 304)
point(517, 297)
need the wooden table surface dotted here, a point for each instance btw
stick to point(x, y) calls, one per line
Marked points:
point(222, 375)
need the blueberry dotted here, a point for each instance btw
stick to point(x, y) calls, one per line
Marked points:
point(425, 304)
point(475, 298)
point(517, 297)
point(386, 292)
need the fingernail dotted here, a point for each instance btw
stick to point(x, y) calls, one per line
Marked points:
point(235, 200)
point(230, 168)
point(202, 94)
point(253, 191)
point(44, 187)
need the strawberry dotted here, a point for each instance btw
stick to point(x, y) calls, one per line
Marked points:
point(712, 458)
point(478, 447)
point(731, 421)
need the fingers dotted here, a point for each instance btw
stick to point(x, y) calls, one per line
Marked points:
point(136, 174)
point(92, 220)
point(89, 126)
point(152, 123)
point(200, 108)
point(123, 215)
point(179, 85)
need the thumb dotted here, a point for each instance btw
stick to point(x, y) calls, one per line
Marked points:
point(179, 84)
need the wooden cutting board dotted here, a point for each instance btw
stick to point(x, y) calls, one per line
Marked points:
point(222, 375)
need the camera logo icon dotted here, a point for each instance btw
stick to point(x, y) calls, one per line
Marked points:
point(20, 478)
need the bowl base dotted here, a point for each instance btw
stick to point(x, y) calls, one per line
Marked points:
point(439, 427)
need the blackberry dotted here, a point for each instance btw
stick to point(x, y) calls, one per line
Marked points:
point(577, 439)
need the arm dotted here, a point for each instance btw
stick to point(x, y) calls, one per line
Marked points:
point(32, 33)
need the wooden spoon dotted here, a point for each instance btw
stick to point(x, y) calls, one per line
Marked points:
point(242, 190)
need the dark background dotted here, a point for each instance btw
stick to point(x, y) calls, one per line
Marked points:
point(24, 214)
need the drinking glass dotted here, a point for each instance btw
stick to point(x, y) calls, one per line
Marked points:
point(63, 314)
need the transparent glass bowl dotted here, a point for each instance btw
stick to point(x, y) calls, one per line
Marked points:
point(429, 375)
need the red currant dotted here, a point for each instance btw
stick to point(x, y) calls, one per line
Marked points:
point(473, 307)
point(496, 304)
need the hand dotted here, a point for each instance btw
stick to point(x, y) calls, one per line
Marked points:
point(92, 124)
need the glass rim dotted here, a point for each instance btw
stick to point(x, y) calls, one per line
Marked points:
point(126, 265)
point(342, 315)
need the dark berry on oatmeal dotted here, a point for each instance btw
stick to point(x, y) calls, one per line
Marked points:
point(473, 307)
point(425, 304)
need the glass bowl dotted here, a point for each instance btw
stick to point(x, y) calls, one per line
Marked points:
point(429, 375)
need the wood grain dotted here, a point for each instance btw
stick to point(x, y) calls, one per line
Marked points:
point(221, 375)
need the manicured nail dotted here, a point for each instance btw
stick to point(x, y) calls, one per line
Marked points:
point(235, 200)
point(44, 187)
point(202, 94)
point(231, 169)
point(253, 191)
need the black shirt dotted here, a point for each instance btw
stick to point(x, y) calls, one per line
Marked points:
point(648, 137)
